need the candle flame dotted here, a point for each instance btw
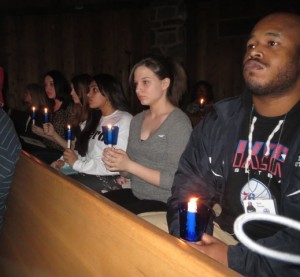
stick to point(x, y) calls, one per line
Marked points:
point(192, 205)
point(69, 127)
point(46, 110)
point(201, 101)
point(33, 108)
point(109, 127)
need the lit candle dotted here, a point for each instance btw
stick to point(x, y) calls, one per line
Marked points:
point(46, 119)
point(110, 134)
point(69, 136)
point(33, 115)
point(191, 220)
point(202, 103)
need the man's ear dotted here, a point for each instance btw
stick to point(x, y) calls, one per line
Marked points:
point(165, 83)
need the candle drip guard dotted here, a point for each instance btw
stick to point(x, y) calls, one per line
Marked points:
point(254, 246)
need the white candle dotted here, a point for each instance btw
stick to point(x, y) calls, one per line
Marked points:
point(202, 103)
point(191, 219)
point(33, 115)
point(192, 205)
point(109, 134)
point(69, 136)
point(45, 115)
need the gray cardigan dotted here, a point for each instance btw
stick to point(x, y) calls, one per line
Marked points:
point(161, 151)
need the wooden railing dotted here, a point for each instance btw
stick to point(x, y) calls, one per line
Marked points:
point(55, 226)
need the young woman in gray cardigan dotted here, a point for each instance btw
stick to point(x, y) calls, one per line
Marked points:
point(157, 137)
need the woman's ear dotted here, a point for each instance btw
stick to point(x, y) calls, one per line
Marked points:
point(165, 83)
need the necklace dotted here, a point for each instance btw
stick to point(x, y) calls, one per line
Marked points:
point(278, 127)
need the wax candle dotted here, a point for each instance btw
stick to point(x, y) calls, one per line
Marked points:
point(33, 115)
point(69, 136)
point(191, 219)
point(202, 103)
point(46, 118)
point(110, 134)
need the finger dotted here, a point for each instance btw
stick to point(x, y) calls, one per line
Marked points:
point(206, 238)
point(68, 151)
point(109, 152)
point(105, 155)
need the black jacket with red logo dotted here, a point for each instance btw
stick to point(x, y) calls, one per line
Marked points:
point(203, 171)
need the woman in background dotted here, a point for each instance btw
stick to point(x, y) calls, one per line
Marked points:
point(79, 90)
point(33, 96)
point(157, 137)
point(202, 101)
point(58, 90)
point(109, 107)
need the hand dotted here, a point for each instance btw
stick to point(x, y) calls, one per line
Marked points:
point(123, 180)
point(115, 159)
point(213, 248)
point(58, 164)
point(49, 130)
point(70, 157)
point(37, 130)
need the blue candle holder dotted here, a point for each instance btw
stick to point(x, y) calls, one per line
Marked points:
point(193, 223)
point(110, 135)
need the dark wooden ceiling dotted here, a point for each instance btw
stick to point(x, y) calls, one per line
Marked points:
point(12, 7)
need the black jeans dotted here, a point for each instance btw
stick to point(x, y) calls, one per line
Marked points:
point(126, 199)
point(100, 184)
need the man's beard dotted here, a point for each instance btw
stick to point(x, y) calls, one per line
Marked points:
point(285, 79)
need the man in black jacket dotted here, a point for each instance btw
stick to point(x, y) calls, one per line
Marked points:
point(248, 148)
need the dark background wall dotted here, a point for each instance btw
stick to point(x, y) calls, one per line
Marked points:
point(93, 36)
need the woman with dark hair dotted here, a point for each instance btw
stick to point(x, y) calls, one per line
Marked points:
point(157, 137)
point(79, 90)
point(108, 104)
point(58, 90)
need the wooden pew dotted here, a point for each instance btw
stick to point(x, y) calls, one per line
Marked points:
point(57, 227)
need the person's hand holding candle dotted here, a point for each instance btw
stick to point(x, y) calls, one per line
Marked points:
point(49, 130)
point(213, 248)
point(70, 157)
point(37, 130)
point(116, 159)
